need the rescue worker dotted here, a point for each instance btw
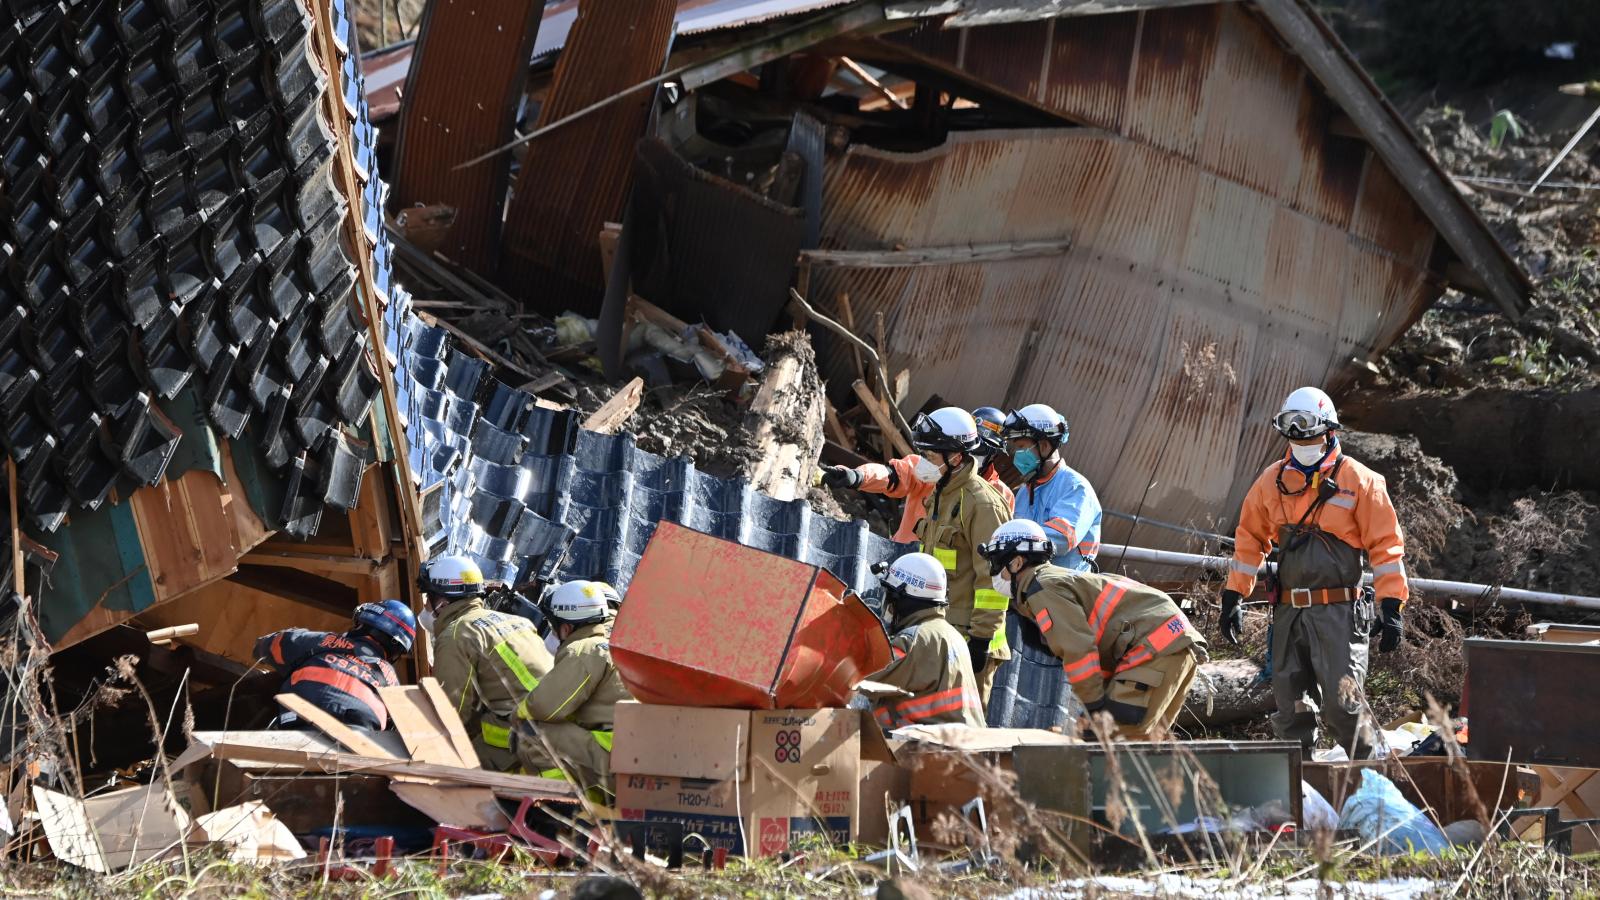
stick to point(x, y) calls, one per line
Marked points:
point(1053, 493)
point(487, 661)
point(991, 427)
point(907, 478)
point(340, 674)
point(572, 708)
point(1322, 510)
point(930, 657)
point(1126, 647)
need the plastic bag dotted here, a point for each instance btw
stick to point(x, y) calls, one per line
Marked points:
point(1379, 812)
point(1317, 813)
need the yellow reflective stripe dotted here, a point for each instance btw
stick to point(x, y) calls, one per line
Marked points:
point(557, 774)
point(495, 736)
point(946, 558)
point(998, 642)
point(983, 598)
point(522, 708)
point(604, 739)
point(514, 663)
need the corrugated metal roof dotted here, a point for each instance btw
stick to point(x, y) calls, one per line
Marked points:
point(575, 179)
point(462, 96)
point(692, 17)
point(1175, 277)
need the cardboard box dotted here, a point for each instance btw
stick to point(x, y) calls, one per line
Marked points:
point(759, 779)
point(885, 786)
point(939, 765)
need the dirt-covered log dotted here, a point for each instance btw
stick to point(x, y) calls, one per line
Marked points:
point(1236, 694)
point(783, 429)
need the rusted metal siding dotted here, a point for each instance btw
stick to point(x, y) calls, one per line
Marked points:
point(575, 178)
point(1188, 304)
point(462, 93)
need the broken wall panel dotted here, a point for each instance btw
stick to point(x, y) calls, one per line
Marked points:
point(462, 93)
point(575, 178)
point(1187, 304)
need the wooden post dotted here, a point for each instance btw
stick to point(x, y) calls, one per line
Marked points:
point(880, 415)
point(366, 289)
point(17, 581)
point(848, 317)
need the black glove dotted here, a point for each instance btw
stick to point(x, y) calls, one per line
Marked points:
point(1232, 621)
point(978, 648)
point(840, 476)
point(1390, 626)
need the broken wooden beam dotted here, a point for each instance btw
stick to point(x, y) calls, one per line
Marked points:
point(935, 256)
point(615, 412)
point(785, 421)
point(880, 414)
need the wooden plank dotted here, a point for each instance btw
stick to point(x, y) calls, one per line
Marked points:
point(848, 317)
point(475, 346)
point(615, 411)
point(419, 726)
point(311, 562)
point(836, 430)
point(458, 805)
point(880, 415)
point(371, 531)
point(249, 531)
point(333, 728)
point(17, 571)
point(452, 722)
point(959, 254)
point(502, 783)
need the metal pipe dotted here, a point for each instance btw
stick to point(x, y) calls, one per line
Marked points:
point(1156, 523)
point(1461, 589)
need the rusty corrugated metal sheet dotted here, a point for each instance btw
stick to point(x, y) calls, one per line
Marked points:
point(462, 94)
point(575, 178)
point(1188, 305)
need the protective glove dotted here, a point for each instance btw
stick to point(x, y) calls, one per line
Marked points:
point(840, 476)
point(978, 648)
point(1232, 621)
point(1390, 626)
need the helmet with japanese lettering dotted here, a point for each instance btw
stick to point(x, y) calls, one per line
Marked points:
point(391, 623)
point(1018, 537)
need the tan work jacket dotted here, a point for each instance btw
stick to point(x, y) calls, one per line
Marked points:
point(962, 516)
point(582, 687)
point(930, 661)
point(487, 662)
point(1102, 625)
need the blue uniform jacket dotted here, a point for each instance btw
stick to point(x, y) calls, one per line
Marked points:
point(1066, 505)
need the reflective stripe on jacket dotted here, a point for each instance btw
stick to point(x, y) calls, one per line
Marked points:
point(905, 486)
point(1099, 625)
point(1066, 505)
point(1360, 514)
point(337, 673)
point(487, 662)
point(582, 687)
point(962, 516)
point(930, 661)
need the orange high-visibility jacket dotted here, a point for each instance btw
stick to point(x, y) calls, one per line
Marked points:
point(875, 479)
point(1361, 515)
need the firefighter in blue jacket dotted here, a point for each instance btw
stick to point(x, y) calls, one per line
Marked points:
point(1053, 493)
point(341, 673)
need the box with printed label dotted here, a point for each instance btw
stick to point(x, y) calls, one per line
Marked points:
point(763, 779)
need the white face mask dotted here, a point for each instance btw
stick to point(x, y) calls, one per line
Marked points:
point(425, 619)
point(925, 471)
point(1002, 584)
point(1308, 454)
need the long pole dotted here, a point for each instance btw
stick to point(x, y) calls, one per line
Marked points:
point(1460, 589)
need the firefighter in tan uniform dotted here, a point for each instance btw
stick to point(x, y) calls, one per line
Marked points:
point(486, 661)
point(1126, 647)
point(572, 709)
point(930, 657)
point(963, 511)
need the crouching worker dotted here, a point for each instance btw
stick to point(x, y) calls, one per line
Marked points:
point(1126, 647)
point(930, 657)
point(573, 706)
point(340, 674)
point(486, 661)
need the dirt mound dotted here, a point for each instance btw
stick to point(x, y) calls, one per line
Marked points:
point(1464, 341)
point(1425, 491)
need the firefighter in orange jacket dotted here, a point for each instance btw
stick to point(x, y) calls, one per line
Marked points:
point(930, 656)
point(914, 479)
point(1126, 648)
point(1323, 511)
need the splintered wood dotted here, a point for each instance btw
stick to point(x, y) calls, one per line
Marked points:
point(616, 411)
point(785, 421)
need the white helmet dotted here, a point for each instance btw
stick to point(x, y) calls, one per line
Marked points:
point(1018, 537)
point(1307, 413)
point(949, 429)
point(579, 602)
point(1037, 421)
point(917, 576)
point(451, 576)
point(613, 599)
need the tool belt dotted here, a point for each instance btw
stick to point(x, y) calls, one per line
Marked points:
point(1301, 598)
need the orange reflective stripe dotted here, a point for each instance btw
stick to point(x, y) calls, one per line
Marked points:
point(883, 717)
point(1104, 606)
point(1167, 632)
point(277, 648)
point(1088, 548)
point(898, 653)
point(1138, 657)
point(916, 709)
point(1066, 529)
point(1087, 666)
point(349, 684)
point(1043, 619)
